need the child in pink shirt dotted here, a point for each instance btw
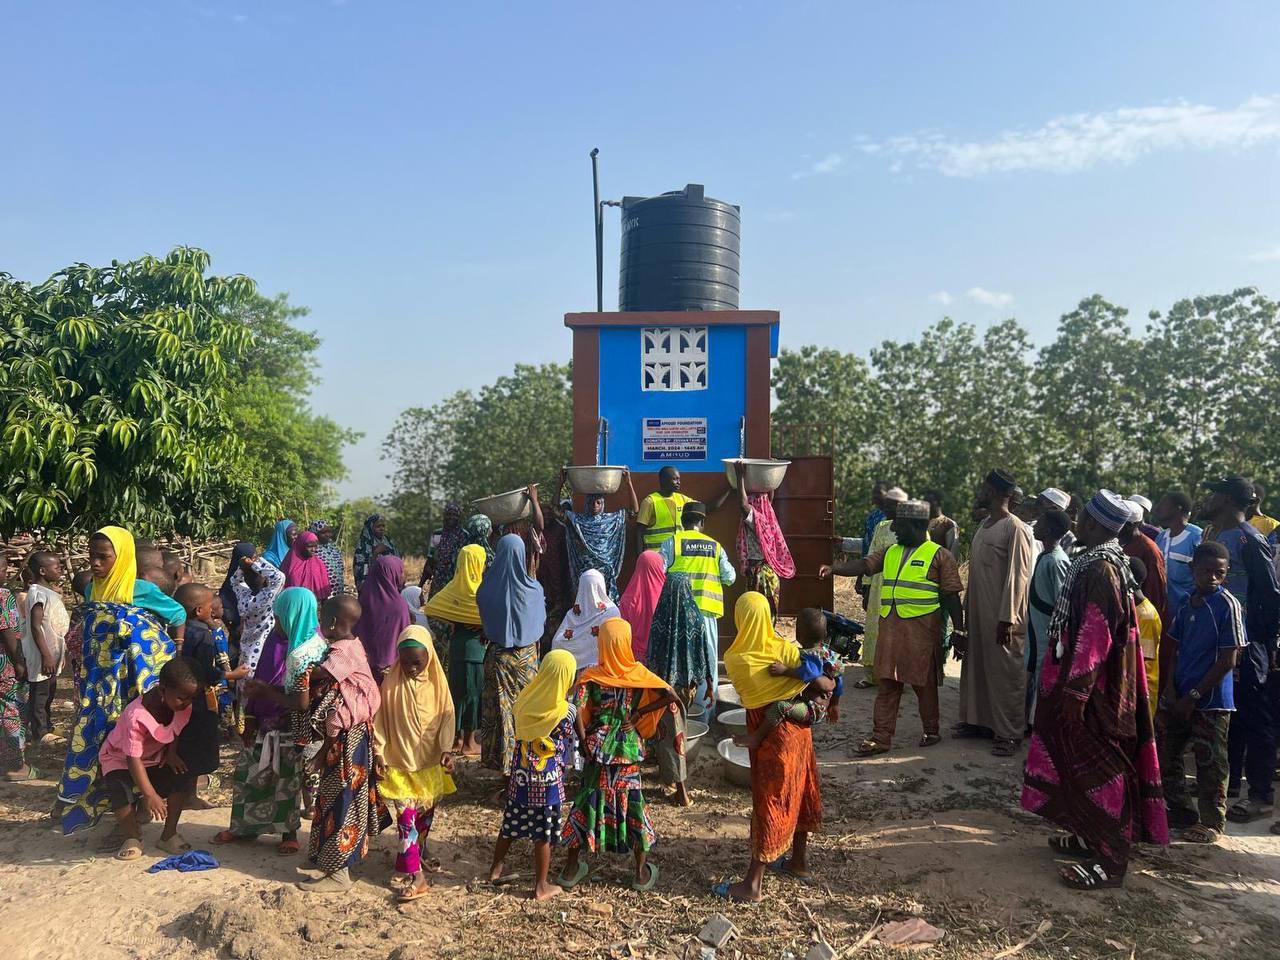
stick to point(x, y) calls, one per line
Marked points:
point(141, 753)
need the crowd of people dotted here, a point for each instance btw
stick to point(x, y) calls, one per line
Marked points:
point(1111, 633)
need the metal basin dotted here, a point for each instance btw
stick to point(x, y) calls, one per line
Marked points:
point(762, 476)
point(735, 763)
point(592, 480)
point(695, 732)
point(506, 507)
point(697, 710)
point(727, 698)
point(734, 722)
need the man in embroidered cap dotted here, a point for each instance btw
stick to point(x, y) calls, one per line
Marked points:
point(1092, 767)
point(882, 539)
point(921, 585)
point(993, 677)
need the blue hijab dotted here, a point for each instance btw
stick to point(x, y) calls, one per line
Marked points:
point(278, 548)
point(512, 605)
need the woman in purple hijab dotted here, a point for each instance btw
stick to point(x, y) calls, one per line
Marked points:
point(383, 612)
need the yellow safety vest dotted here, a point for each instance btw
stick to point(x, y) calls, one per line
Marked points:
point(666, 522)
point(699, 556)
point(909, 591)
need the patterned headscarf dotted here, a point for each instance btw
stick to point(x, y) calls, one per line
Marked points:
point(364, 548)
point(478, 530)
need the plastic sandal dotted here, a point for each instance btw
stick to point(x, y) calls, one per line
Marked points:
point(930, 740)
point(411, 893)
point(721, 890)
point(1088, 876)
point(869, 748)
point(1071, 846)
point(131, 849)
point(1201, 834)
point(649, 884)
point(1247, 811)
point(1004, 748)
point(175, 845)
point(568, 883)
point(288, 848)
point(226, 836)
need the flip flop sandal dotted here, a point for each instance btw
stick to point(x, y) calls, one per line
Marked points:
point(1247, 811)
point(226, 836)
point(174, 845)
point(721, 890)
point(1088, 876)
point(930, 740)
point(1071, 845)
point(1005, 748)
point(649, 884)
point(288, 848)
point(411, 893)
point(568, 883)
point(865, 684)
point(506, 880)
point(1201, 834)
point(131, 849)
point(869, 748)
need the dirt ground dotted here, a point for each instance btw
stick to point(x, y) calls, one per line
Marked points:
point(933, 833)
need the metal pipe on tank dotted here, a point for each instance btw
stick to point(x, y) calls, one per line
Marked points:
point(598, 212)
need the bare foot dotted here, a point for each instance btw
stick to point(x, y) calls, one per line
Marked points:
point(681, 797)
point(545, 891)
point(743, 893)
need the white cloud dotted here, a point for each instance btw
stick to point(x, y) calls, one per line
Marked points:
point(1076, 142)
point(989, 298)
point(942, 297)
point(1266, 256)
point(828, 164)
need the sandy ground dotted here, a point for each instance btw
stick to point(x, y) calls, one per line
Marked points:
point(932, 833)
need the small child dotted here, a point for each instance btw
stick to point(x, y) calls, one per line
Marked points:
point(227, 711)
point(544, 727)
point(1149, 630)
point(153, 591)
point(1199, 698)
point(141, 753)
point(75, 630)
point(198, 744)
point(43, 642)
point(413, 734)
point(818, 700)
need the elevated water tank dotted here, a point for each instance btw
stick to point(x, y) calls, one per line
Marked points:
point(680, 251)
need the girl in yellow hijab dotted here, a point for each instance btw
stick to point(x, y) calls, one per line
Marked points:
point(455, 617)
point(413, 731)
point(544, 724)
point(754, 650)
point(621, 704)
point(114, 565)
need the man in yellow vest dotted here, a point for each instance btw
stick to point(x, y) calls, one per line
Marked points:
point(921, 583)
point(659, 517)
point(707, 566)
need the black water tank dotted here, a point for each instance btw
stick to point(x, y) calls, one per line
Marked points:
point(679, 252)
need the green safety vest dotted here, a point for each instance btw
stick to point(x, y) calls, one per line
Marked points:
point(699, 556)
point(666, 524)
point(909, 591)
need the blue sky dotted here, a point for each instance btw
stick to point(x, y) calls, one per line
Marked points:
point(417, 173)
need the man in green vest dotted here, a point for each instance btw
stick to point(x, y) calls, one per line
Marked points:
point(704, 561)
point(921, 583)
point(659, 517)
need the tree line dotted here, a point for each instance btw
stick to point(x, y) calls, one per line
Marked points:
point(153, 394)
point(1189, 396)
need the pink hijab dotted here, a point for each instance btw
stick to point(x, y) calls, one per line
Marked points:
point(640, 599)
point(772, 544)
point(301, 570)
point(347, 664)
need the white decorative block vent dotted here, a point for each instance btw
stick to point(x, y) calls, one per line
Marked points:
point(673, 358)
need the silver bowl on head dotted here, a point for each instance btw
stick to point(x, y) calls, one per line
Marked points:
point(735, 763)
point(588, 481)
point(762, 476)
point(506, 507)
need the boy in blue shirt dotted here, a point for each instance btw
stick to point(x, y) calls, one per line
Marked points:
point(1199, 697)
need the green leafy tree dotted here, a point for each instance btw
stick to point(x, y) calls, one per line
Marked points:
point(113, 384)
point(268, 403)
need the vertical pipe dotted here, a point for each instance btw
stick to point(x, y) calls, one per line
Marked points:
point(599, 223)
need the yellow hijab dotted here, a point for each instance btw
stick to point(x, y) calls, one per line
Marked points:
point(618, 668)
point(456, 603)
point(117, 586)
point(755, 647)
point(541, 705)
point(414, 725)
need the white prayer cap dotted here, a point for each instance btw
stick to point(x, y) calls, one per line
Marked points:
point(1059, 498)
point(1140, 500)
point(1135, 511)
point(895, 494)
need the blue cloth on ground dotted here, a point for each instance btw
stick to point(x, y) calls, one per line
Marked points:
point(188, 862)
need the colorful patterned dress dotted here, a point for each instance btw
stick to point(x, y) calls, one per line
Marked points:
point(535, 792)
point(506, 673)
point(124, 650)
point(609, 811)
point(13, 736)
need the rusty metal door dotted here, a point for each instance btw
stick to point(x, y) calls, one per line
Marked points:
point(805, 504)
